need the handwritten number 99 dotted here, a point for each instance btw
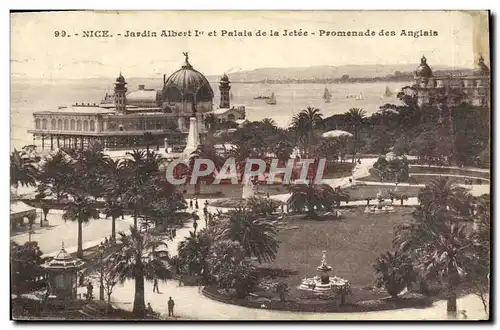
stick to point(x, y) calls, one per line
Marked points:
point(58, 34)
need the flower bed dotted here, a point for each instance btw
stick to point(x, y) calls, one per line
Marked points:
point(319, 305)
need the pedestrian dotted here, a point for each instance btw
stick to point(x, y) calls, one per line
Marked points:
point(196, 204)
point(171, 305)
point(90, 289)
point(267, 194)
point(190, 203)
point(155, 285)
point(150, 310)
point(81, 280)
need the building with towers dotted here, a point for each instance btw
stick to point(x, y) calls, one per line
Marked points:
point(121, 120)
point(475, 88)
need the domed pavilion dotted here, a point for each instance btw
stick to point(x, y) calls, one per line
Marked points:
point(122, 118)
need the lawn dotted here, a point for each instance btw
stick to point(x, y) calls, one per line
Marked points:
point(352, 245)
point(362, 192)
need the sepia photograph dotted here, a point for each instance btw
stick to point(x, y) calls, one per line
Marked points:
point(250, 165)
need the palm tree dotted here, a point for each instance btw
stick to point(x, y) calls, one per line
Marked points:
point(81, 209)
point(394, 272)
point(311, 196)
point(268, 123)
point(204, 151)
point(256, 236)
point(141, 256)
point(22, 169)
point(443, 195)
point(140, 167)
point(194, 252)
point(210, 120)
point(114, 187)
point(304, 124)
point(355, 118)
point(55, 173)
point(439, 246)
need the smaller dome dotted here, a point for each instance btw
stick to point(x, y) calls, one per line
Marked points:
point(120, 79)
point(224, 78)
point(423, 69)
point(481, 69)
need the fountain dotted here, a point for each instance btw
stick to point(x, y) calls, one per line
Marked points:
point(381, 207)
point(324, 282)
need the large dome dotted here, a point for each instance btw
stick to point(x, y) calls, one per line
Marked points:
point(187, 84)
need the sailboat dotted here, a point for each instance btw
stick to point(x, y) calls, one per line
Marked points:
point(271, 100)
point(388, 92)
point(360, 97)
point(327, 96)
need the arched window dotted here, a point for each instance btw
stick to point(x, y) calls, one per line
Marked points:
point(92, 125)
point(59, 124)
point(65, 125)
point(79, 125)
point(85, 125)
point(44, 123)
point(72, 125)
point(37, 123)
point(53, 124)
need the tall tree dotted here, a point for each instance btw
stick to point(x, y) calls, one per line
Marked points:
point(22, 169)
point(355, 118)
point(194, 252)
point(141, 256)
point(305, 125)
point(114, 188)
point(81, 209)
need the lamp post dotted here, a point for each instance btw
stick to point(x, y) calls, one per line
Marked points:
point(101, 281)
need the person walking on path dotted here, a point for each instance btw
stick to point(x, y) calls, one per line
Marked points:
point(171, 305)
point(191, 204)
point(155, 286)
point(90, 288)
point(196, 204)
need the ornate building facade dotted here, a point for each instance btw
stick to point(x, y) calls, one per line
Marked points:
point(475, 88)
point(121, 120)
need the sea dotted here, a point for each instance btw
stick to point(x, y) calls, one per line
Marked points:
point(30, 95)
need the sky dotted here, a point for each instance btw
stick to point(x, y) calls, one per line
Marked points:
point(37, 53)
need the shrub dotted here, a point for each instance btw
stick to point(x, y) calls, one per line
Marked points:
point(282, 289)
point(394, 272)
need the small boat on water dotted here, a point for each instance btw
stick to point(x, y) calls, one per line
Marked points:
point(387, 93)
point(327, 96)
point(108, 99)
point(271, 100)
point(261, 97)
point(360, 97)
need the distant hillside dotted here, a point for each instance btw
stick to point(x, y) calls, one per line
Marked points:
point(326, 72)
